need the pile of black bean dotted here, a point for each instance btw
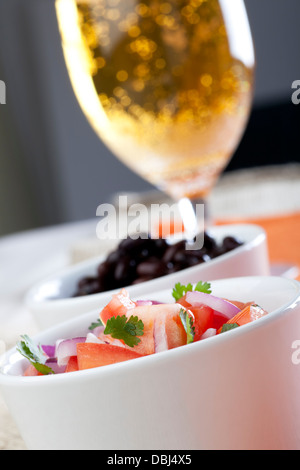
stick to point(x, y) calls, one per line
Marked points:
point(144, 258)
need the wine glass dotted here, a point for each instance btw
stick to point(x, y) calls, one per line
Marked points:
point(166, 84)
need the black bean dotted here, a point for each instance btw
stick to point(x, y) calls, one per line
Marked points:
point(88, 287)
point(209, 242)
point(114, 257)
point(144, 254)
point(85, 281)
point(104, 269)
point(139, 280)
point(170, 266)
point(176, 267)
point(172, 250)
point(204, 258)
point(125, 269)
point(152, 267)
point(230, 243)
point(192, 261)
point(160, 246)
point(180, 257)
point(200, 254)
point(131, 244)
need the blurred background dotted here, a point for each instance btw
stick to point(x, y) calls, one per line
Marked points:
point(54, 169)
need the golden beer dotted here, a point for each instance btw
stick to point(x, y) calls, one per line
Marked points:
point(167, 85)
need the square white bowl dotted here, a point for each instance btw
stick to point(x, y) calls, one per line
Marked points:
point(50, 301)
point(237, 391)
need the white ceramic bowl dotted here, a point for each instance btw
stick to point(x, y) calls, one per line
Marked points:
point(251, 259)
point(238, 390)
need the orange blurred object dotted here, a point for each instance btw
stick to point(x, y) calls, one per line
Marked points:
point(166, 229)
point(283, 234)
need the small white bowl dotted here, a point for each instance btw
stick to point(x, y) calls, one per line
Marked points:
point(235, 391)
point(51, 301)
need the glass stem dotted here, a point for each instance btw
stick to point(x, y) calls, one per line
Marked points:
point(194, 215)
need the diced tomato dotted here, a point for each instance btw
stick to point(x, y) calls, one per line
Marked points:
point(166, 315)
point(91, 355)
point(247, 315)
point(146, 346)
point(203, 317)
point(219, 320)
point(175, 332)
point(72, 365)
point(118, 306)
point(161, 320)
point(31, 372)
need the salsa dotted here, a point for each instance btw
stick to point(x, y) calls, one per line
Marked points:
point(129, 329)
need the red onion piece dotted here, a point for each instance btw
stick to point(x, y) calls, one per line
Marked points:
point(49, 350)
point(216, 303)
point(142, 303)
point(92, 338)
point(98, 330)
point(66, 348)
point(160, 335)
point(52, 363)
point(105, 339)
point(209, 333)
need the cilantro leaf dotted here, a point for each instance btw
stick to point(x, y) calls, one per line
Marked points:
point(180, 290)
point(34, 354)
point(229, 326)
point(188, 325)
point(203, 287)
point(125, 329)
point(96, 324)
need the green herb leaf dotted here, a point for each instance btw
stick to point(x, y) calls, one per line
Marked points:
point(180, 290)
point(96, 324)
point(203, 287)
point(188, 325)
point(229, 326)
point(34, 354)
point(124, 329)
